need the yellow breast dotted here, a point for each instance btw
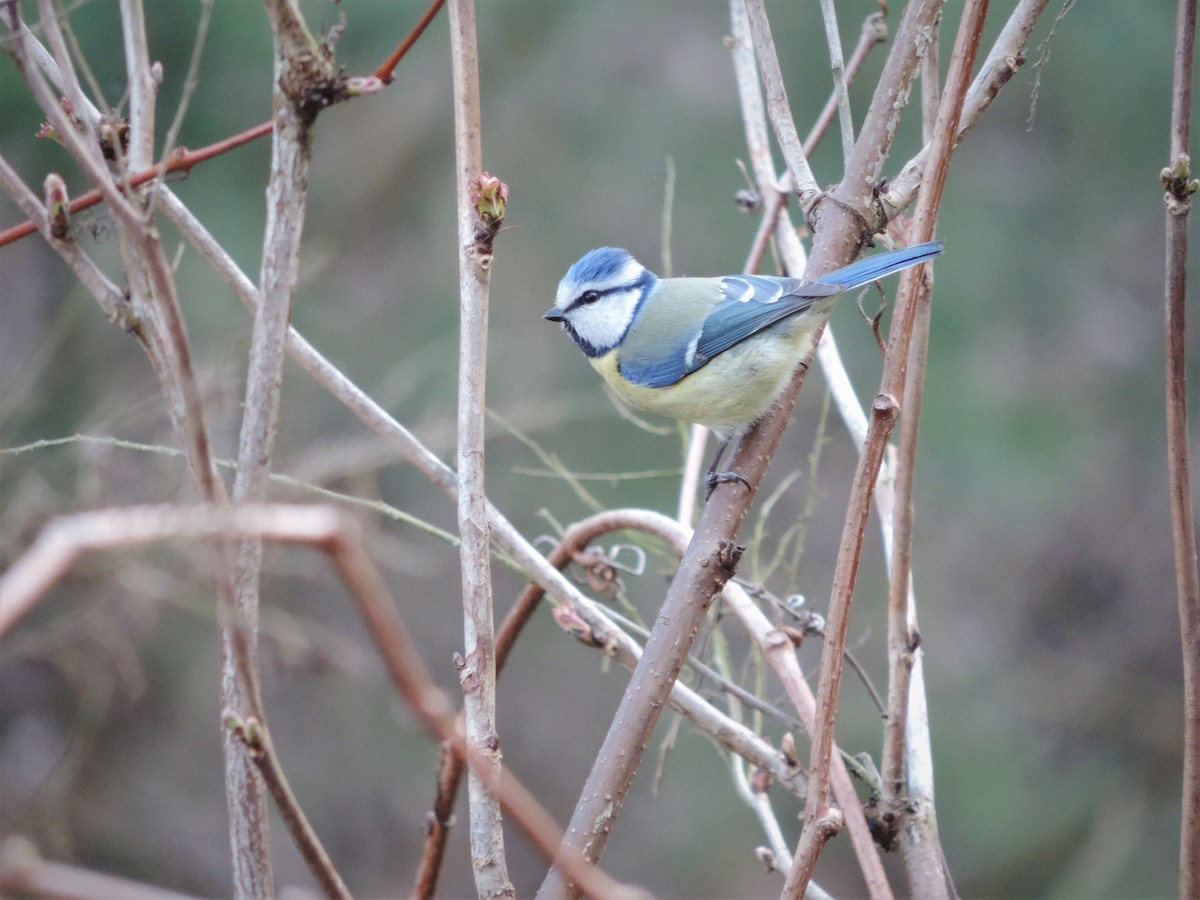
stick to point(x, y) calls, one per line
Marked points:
point(728, 394)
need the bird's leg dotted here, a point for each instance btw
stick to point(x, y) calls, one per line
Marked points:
point(713, 477)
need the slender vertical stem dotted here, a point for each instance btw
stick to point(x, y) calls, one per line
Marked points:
point(477, 671)
point(837, 67)
point(777, 104)
point(907, 777)
point(287, 189)
point(1177, 179)
point(885, 410)
point(142, 89)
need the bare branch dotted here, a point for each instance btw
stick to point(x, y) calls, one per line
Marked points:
point(1179, 186)
point(299, 66)
point(183, 160)
point(140, 84)
point(257, 740)
point(778, 108)
point(906, 803)
point(477, 672)
point(109, 297)
point(837, 66)
point(1006, 56)
point(24, 873)
point(544, 573)
point(885, 409)
point(64, 540)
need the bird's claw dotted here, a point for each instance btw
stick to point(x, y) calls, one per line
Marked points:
point(712, 479)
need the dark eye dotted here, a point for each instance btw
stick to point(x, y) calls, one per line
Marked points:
point(589, 296)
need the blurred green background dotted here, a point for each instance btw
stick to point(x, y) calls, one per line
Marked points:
point(1043, 548)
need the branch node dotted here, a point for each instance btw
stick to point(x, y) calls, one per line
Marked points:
point(728, 554)
point(1179, 185)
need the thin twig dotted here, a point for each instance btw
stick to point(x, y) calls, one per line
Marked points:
point(299, 67)
point(139, 84)
point(778, 650)
point(884, 412)
point(24, 873)
point(575, 539)
point(254, 735)
point(1179, 186)
point(906, 802)
point(777, 104)
point(107, 295)
point(624, 651)
point(837, 66)
point(1006, 56)
point(65, 540)
point(873, 33)
point(386, 70)
point(184, 160)
point(477, 671)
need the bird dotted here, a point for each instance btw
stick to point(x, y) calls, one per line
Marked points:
point(713, 351)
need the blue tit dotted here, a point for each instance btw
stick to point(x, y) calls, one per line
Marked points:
point(715, 351)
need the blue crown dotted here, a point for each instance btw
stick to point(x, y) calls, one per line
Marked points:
point(599, 265)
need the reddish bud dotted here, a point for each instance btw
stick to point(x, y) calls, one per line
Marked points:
point(489, 196)
point(58, 206)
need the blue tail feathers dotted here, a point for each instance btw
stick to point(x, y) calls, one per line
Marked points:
point(875, 267)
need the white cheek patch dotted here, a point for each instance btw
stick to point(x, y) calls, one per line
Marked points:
point(603, 323)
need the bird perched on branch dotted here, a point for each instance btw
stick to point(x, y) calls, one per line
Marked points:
point(715, 351)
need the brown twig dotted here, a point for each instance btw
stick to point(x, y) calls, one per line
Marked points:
point(777, 105)
point(387, 69)
point(884, 412)
point(65, 540)
point(905, 808)
point(1006, 56)
point(255, 737)
point(1179, 186)
point(477, 671)
point(625, 652)
point(24, 873)
point(183, 160)
point(576, 538)
point(711, 556)
point(300, 68)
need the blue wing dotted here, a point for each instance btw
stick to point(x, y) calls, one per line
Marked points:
point(747, 304)
point(752, 303)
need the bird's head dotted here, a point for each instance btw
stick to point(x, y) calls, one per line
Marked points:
point(599, 298)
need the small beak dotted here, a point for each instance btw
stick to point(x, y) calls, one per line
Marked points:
point(554, 314)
